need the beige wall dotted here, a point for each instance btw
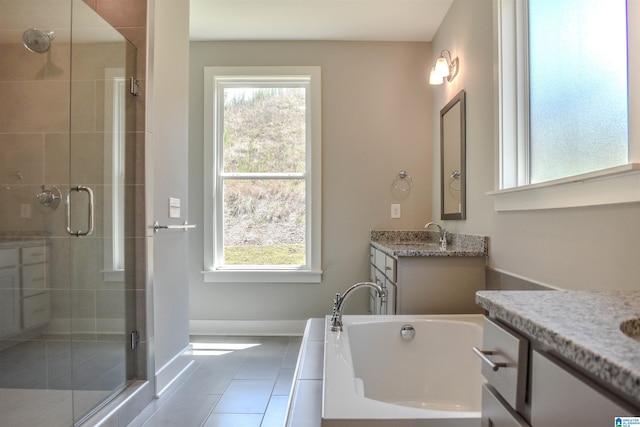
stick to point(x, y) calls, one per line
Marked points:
point(166, 160)
point(376, 120)
point(578, 248)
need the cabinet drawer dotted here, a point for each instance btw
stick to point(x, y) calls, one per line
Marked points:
point(496, 413)
point(8, 257)
point(384, 263)
point(34, 255)
point(36, 310)
point(510, 351)
point(34, 279)
point(390, 268)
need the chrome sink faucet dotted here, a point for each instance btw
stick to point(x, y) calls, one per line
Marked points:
point(443, 234)
point(338, 302)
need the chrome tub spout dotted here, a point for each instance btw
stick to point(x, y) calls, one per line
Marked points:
point(338, 302)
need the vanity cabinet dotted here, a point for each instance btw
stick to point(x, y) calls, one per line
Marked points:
point(9, 292)
point(24, 293)
point(532, 388)
point(383, 272)
point(504, 355)
point(36, 307)
point(560, 397)
point(426, 284)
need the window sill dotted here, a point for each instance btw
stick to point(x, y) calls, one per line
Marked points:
point(262, 276)
point(607, 187)
point(113, 275)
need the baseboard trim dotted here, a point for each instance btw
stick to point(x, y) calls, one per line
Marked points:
point(173, 370)
point(247, 327)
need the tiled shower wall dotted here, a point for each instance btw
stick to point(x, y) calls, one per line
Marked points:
point(34, 134)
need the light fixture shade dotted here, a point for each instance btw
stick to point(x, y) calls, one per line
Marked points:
point(442, 67)
point(434, 78)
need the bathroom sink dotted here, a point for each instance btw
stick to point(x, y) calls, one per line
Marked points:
point(631, 328)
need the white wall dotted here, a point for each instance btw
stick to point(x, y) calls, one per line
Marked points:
point(376, 120)
point(577, 248)
point(167, 154)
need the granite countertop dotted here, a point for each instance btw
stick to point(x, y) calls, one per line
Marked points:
point(10, 243)
point(425, 243)
point(584, 327)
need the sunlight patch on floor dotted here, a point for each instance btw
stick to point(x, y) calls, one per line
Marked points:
point(218, 349)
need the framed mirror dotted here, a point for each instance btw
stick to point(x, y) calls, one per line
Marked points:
point(452, 159)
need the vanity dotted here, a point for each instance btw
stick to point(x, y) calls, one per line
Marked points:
point(557, 358)
point(421, 277)
point(24, 293)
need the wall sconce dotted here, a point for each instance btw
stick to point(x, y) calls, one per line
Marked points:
point(443, 68)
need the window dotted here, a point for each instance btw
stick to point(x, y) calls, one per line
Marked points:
point(577, 96)
point(565, 116)
point(262, 149)
point(114, 174)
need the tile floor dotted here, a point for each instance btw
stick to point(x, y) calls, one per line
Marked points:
point(232, 385)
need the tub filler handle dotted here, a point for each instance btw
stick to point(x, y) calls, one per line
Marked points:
point(482, 354)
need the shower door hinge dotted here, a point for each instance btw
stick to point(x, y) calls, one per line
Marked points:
point(135, 339)
point(134, 86)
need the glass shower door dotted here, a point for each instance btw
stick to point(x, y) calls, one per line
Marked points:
point(100, 136)
point(65, 299)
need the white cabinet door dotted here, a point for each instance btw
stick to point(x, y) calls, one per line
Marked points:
point(559, 398)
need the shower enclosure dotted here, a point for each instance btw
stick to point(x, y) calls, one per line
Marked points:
point(67, 202)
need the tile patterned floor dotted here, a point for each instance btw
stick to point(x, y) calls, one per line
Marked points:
point(231, 386)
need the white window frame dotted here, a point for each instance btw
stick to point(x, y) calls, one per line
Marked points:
point(114, 154)
point(512, 192)
point(213, 271)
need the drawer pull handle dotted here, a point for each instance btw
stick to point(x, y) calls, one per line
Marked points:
point(482, 354)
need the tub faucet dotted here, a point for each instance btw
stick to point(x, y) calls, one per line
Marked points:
point(443, 234)
point(338, 302)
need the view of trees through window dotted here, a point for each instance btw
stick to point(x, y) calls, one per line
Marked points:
point(263, 176)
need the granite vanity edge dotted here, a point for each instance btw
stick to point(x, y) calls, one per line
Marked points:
point(459, 244)
point(407, 251)
point(608, 369)
point(23, 243)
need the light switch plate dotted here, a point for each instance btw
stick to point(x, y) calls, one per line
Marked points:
point(174, 207)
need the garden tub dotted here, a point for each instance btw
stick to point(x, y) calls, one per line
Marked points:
point(373, 376)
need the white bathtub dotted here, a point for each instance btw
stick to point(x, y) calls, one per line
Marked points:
point(372, 377)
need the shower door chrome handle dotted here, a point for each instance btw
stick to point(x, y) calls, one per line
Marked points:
point(89, 230)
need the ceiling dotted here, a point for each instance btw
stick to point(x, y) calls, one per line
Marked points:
point(357, 20)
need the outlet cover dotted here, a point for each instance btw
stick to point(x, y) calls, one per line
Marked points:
point(395, 210)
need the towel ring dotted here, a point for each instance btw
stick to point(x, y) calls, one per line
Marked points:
point(453, 178)
point(403, 181)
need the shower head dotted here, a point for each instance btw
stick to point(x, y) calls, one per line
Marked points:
point(37, 41)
